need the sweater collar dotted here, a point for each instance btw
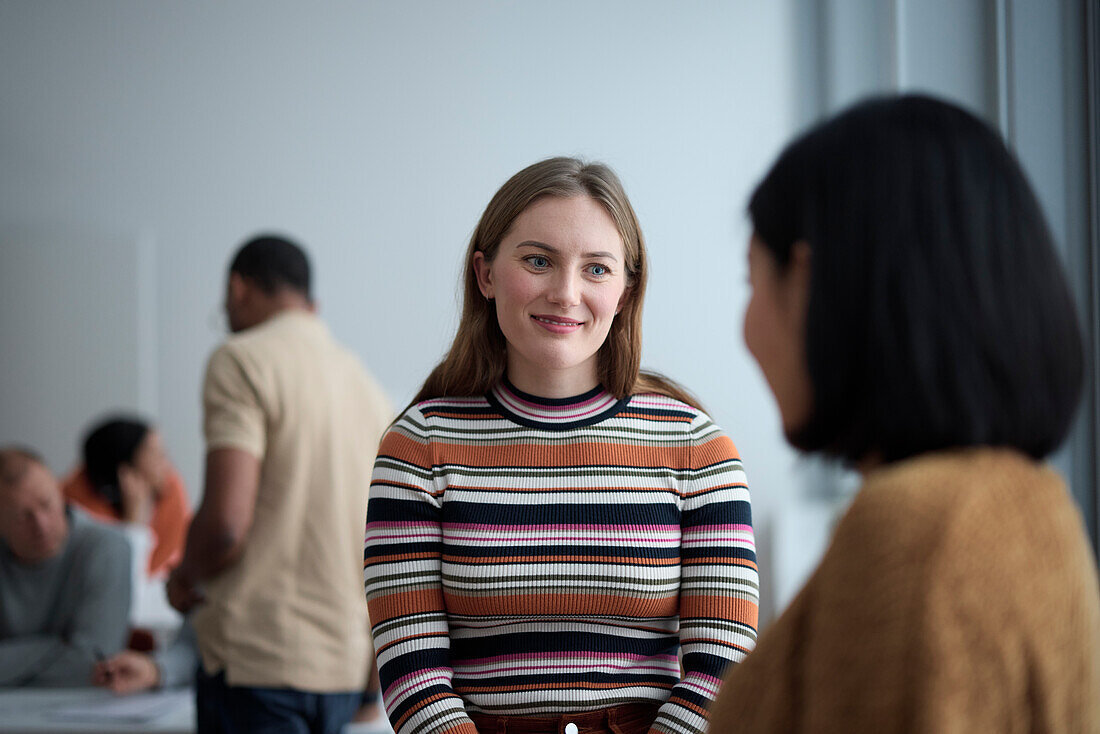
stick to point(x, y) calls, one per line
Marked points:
point(554, 413)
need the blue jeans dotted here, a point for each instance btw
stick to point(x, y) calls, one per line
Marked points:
point(225, 709)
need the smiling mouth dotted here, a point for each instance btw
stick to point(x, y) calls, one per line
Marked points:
point(556, 321)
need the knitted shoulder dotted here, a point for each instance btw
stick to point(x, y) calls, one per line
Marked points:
point(666, 409)
point(693, 423)
point(974, 503)
point(426, 419)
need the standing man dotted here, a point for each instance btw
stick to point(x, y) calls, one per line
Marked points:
point(273, 563)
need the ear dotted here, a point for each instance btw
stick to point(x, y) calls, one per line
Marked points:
point(237, 287)
point(484, 271)
point(623, 299)
point(796, 285)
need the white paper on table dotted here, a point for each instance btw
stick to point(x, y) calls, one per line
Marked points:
point(138, 708)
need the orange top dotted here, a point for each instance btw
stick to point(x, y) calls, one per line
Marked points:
point(169, 521)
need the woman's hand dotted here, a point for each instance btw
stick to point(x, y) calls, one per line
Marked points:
point(137, 495)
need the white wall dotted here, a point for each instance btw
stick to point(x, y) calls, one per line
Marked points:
point(140, 143)
point(375, 133)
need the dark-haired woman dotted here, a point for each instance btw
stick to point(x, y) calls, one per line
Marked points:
point(549, 527)
point(912, 318)
point(127, 477)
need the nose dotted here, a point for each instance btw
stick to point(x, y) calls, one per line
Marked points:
point(565, 290)
point(39, 522)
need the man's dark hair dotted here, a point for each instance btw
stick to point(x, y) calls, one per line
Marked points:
point(107, 445)
point(14, 461)
point(273, 263)
point(938, 315)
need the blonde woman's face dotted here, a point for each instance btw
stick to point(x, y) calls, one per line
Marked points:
point(558, 280)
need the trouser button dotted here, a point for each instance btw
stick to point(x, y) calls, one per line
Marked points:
point(571, 728)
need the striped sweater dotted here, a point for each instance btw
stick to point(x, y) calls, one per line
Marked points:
point(536, 557)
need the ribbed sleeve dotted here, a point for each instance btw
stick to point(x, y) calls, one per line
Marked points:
point(404, 586)
point(539, 559)
point(719, 584)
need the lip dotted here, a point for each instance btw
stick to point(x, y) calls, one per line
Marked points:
point(556, 324)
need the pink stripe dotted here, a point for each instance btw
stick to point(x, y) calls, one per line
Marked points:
point(442, 677)
point(704, 676)
point(585, 526)
point(541, 416)
point(561, 668)
point(552, 655)
point(396, 523)
point(504, 391)
point(609, 539)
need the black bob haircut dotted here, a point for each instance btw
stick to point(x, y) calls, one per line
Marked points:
point(108, 444)
point(938, 315)
point(273, 263)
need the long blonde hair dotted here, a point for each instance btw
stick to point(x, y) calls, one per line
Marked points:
point(477, 358)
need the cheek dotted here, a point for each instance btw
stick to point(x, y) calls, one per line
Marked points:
point(604, 302)
point(750, 327)
point(515, 288)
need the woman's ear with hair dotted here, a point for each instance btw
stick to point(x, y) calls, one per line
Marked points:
point(796, 285)
point(624, 299)
point(483, 269)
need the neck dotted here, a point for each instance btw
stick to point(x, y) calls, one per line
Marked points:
point(282, 303)
point(554, 384)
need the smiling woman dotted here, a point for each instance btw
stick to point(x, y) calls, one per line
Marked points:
point(550, 529)
point(558, 283)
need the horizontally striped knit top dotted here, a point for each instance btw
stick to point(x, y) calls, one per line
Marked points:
point(536, 557)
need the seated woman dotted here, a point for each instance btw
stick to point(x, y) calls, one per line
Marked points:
point(912, 318)
point(549, 527)
point(127, 477)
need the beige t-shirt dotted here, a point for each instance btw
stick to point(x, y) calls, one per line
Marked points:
point(291, 611)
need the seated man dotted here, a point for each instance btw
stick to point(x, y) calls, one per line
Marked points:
point(64, 581)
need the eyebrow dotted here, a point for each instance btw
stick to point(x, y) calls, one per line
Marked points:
point(554, 251)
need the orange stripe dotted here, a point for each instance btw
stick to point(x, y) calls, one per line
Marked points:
point(401, 447)
point(425, 702)
point(391, 606)
point(662, 418)
point(543, 604)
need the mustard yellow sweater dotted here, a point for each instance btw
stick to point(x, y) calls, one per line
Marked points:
point(959, 594)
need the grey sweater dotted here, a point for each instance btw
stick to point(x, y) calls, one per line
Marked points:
point(57, 616)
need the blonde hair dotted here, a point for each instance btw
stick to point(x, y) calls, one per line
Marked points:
point(477, 358)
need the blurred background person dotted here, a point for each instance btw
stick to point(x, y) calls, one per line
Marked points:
point(127, 478)
point(912, 318)
point(131, 671)
point(273, 562)
point(64, 580)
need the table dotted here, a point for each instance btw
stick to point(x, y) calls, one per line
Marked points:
point(39, 710)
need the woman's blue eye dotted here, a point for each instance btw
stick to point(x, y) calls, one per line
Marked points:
point(599, 270)
point(538, 261)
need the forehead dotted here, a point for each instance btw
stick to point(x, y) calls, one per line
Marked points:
point(576, 223)
point(35, 484)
